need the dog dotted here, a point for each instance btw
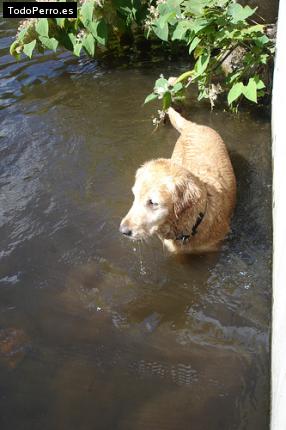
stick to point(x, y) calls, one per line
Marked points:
point(187, 200)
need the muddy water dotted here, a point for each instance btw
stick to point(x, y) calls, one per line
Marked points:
point(97, 332)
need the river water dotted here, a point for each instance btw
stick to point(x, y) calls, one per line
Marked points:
point(97, 332)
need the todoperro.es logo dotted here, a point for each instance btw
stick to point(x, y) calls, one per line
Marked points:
point(51, 9)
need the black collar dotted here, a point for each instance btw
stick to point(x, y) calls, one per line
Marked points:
point(185, 237)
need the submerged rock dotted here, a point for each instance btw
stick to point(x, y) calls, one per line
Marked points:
point(98, 286)
point(14, 344)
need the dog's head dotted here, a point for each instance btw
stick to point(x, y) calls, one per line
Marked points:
point(163, 191)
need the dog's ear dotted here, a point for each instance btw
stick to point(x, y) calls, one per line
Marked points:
point(187, 194)
point(139, 172)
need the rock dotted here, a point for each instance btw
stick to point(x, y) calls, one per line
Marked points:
point(14, 344)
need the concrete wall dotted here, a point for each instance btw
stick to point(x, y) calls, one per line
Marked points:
point(278, 413)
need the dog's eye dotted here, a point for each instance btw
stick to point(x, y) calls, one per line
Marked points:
point(150, 202)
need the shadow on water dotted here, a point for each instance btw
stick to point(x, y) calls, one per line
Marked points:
point(246, 224)
point(99, 332)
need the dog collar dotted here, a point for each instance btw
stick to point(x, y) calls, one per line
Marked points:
point(185, 237)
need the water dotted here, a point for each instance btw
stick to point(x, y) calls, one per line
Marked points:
point(97, 332)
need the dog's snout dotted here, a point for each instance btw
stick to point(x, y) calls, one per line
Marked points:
point(125, 230)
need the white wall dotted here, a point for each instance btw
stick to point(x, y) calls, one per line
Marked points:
point(278, 412)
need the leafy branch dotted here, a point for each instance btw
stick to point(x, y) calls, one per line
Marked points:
point(228, 50)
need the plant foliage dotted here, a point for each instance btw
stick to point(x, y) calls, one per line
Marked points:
point(228, 48)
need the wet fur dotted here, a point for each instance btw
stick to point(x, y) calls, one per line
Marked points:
point(197, 178)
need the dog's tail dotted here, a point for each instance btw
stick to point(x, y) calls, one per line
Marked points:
point(177, 120)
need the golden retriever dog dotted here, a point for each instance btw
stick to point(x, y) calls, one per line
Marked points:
point(187, 200)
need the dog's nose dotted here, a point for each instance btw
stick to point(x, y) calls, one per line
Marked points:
point(125, 230)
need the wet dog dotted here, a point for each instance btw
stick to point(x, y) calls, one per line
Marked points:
point(187, 200)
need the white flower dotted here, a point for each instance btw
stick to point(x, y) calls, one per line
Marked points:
point(81, 34)
point(161, 115)
point(25, 24)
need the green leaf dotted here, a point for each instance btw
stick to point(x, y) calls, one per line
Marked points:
point(102, 32)
point(150, 98)
point(202, 63)
point(250, 91)
point(29, 48)
point(194, 43)
point(161, 30)
point(86, 12)
point(259, 83)
point(164, 19)
point(170, 6)
point(161, 85)
point(89, 44)
point(185, 75)
point(263, 58)
point(248, 11)
point(76, 44)
point(195, 7)
point(232, 77)
point(167, 100)
point(235, 92)
point(198, 51)
point(72, 38)
point(239, 13)
point(174, 3)
point(181, 29)
point(13, 47)
point(253, 29)
point(42, 27)
point(49, 43)
point(177, 87)
point(77, 48)
point(203, 94)
point(262, 40)
point(61, 22)
point(99, 31)
point(199, 24)
point(22, 34)
point(261, 93)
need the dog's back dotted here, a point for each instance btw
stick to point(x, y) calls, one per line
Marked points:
point(201, 150)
